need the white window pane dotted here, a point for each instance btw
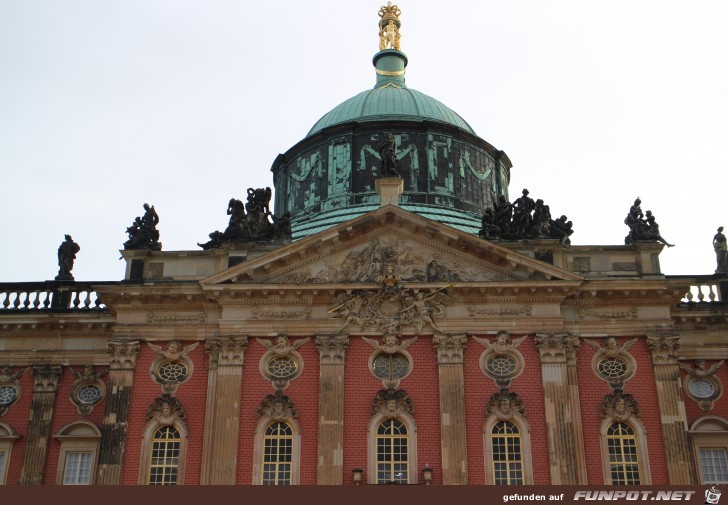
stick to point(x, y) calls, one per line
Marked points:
point(714, 463)
point(78, 468)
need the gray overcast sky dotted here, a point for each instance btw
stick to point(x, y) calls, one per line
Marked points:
point(105, 105)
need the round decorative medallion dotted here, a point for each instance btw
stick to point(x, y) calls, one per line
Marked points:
point(701, 388)
point(282, 368)
point(612, 368)
point(173, 371)
point(8, 394)
point(501, 365)
point(89, 394)
point(391, 366)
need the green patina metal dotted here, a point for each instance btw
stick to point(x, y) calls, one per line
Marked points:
point(450, 174)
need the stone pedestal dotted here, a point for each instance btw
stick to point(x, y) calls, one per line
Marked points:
point(389, 189)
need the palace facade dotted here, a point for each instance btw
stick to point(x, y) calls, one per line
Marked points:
point(393, 320)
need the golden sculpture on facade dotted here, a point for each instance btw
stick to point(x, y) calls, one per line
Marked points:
point(389, 25)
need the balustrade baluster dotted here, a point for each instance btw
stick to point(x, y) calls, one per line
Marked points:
point(26, 302)
point(76, 298)
point(6, 302)
point(16, 302)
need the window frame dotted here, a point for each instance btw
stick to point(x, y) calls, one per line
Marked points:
point(259, 448)
point(8, 436)
point(148, 443)
point(525, 436)
point(79, 436)
point(373, 429)
point(640, 437)
point(708, 432)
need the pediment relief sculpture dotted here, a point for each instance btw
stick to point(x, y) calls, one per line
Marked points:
point(390, 308)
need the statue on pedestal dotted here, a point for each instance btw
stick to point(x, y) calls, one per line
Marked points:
point(66, 254)
point(143, 233)
point(721, 252)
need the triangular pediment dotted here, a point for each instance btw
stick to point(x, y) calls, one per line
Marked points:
point(417, 249)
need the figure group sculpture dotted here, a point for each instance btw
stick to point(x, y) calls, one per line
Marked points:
point(522, 220)
point(143, 233)
point(642, 227)
point(251, 221)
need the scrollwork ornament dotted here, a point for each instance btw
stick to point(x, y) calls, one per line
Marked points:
point(167, 410)
point(504, 405)
point(392, 403)
point(277, 406)
point(619, 406)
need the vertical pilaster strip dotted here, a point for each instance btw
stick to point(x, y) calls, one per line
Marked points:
point(222, 417)
point(332, 351)
point(672, 408)
point(567, 457)
point(452, 408)
point(116, 416)
point(39, 429)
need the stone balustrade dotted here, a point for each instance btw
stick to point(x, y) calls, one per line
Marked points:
point(706, 290)
point(49, 296)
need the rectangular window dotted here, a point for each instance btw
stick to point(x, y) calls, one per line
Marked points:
point(713, 463)
point(77, 471)
point(2, 466)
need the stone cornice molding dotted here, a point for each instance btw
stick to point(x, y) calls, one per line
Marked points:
point(332, 348)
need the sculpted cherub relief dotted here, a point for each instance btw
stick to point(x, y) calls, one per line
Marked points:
point(504, 405)
point(502, 343)
point(7, 375)
point(282, 347)
point(88, 374)
point(619, 406)
point(391, 343)
point(277, 406)
point(166, 410)
point(611, 347)
point(174, 350)
point(392, 403)
point(699, 371)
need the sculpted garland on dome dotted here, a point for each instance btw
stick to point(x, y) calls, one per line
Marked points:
point(390, 307)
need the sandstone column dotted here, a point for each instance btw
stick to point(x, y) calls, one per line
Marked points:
point(41, 416)
point(672, 409)
point(222, 413)
point(332, 350)
point(116, 415)
point(563, 414)
point(452, 408)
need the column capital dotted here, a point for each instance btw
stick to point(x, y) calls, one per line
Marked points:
point(123, 354)
point(227, 350)
point(449, 348)
point(332, 348)
point(46, 378)
point(557, 348)
point(664, 349)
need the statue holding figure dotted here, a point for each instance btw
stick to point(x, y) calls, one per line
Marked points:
point(721, 252)
point(66, 254)
point(389, 25)
point(143, 233)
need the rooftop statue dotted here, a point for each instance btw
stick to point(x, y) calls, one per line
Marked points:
point(143, 233)
point(251, 222)
point(389, 25)
point(642, 227)
point(388, 156)
point(721, 252)
point(66, 254)
point(524, 219)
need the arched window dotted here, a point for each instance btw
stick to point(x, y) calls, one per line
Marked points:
point(277, 451)
point(164, 457)
point(624, 461)
point(392, 452)
point(507, 453)
point(392, 439)
point(507, 441)
point(8, 436)
point(164, 443)
point(277, 454)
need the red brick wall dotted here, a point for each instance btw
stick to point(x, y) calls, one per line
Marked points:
point(17, 418)
point(192, 394)
point(642, 386)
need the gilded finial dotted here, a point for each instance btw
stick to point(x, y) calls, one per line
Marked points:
point(389, 25)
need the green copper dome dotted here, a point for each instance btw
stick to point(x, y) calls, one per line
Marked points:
point(390, 100)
